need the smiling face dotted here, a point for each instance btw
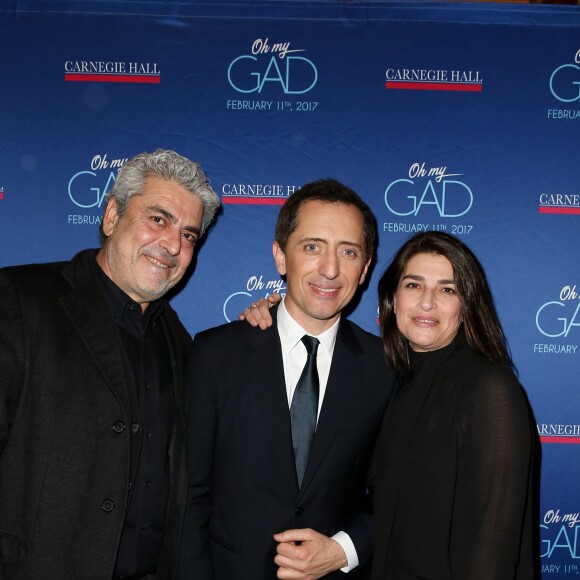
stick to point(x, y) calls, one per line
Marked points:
point(149, 248)
point(324, 263)
point(426, 304)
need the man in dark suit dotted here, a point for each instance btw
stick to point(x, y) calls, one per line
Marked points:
point(271, 493)
point(92, 470)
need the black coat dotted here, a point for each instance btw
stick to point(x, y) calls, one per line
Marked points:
point(65, 416)
point(453, 494)
point(243, 485)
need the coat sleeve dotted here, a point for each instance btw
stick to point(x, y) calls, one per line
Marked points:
point(11, 356)
point(200, 408)
point(492, 498)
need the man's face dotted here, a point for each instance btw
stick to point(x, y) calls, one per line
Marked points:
point(148, 250)
point(324, 263)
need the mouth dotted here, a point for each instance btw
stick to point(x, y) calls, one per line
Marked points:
point(426, 322)
point(157, 262)
point(326, 292)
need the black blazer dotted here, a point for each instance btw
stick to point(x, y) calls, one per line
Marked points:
point(242, 477)
point(65, 416)
point(454, 494)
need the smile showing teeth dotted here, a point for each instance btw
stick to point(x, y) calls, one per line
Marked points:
point(324, 290)
point(156, 262)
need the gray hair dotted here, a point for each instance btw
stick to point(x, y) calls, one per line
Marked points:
point(170, 166)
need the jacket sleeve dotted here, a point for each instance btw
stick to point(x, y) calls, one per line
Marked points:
point(493, 479)
point(200, 408)
point(11, 356)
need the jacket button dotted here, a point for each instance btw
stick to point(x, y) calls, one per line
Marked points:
point(299, 511)
point(108, 505)
point(118, 426)
point(134, 427)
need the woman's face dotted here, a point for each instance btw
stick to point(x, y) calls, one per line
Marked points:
point(426, 303)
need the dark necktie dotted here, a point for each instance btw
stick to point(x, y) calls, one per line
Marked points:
point(304, 408)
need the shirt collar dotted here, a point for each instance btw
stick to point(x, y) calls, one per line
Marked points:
point(291, 332)
point(120, 303)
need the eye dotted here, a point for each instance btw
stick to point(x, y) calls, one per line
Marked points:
point(448, 290)
point(189, 238)
point(158, 219)
point(350, 253)
point(311, 247)
point(412, 285)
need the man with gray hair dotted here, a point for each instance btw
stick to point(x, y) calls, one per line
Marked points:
point(92, 471)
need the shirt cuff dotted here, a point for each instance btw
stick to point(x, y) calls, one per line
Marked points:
point(346, 544)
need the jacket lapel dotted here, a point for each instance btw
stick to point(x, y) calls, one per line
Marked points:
point(88, 312)
point(264, 369)
point(341, 388)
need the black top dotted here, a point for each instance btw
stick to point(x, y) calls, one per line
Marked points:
point(453, 490)
point(148, 366)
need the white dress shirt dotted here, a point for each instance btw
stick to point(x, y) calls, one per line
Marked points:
point(294, 358)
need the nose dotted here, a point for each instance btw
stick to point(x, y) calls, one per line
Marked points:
point(427, 300)
point(171, 241)
point(329, 266)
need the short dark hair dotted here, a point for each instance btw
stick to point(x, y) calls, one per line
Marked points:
point(480, 321)
point(327, 191)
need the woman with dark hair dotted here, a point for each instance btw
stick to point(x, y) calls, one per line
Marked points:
point(453, 498)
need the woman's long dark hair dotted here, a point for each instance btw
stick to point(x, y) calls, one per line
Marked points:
point(480, 321)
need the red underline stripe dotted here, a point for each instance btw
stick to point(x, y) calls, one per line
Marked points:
point(434, 86)
point(550, 439)
point(88, 78)
point(254, 200)
point(556, 209)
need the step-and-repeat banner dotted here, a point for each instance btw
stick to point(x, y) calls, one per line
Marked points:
point(460, 118)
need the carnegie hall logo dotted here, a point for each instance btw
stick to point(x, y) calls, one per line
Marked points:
point(558, 433)
point(560, 203)
point(87, 189)
point(256, 193)
point(422, 79)
point(91, 71)
point(564, 84)
point(272, 75)
point(558, 322)
point(255, 287)
point(429, 198)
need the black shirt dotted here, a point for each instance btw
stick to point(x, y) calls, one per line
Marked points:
point(148, 365)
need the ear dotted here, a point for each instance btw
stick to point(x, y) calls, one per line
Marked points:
point(364, 272)
point(110, 217)
point(279, 258)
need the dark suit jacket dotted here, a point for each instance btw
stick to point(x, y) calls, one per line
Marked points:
point(65, 435)
point(242, 477)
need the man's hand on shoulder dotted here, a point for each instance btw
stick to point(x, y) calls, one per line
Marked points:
point(258, 313)
point(315, 556)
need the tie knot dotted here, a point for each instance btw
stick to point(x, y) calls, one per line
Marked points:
point(311, 344)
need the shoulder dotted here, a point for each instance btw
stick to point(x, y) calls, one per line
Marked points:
point(487, 385)
point(368, 348)
point(235, 331)
point(365, 338)
point(33, 283)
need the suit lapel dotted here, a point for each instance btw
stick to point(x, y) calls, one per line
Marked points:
point(264, 369)
point(342, 386)
point(88, 312)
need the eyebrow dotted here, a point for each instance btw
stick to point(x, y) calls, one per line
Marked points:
point(422, 278)
point(340, 243)
point(171, 218)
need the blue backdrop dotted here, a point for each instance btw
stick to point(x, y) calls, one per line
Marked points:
point(458, 117)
